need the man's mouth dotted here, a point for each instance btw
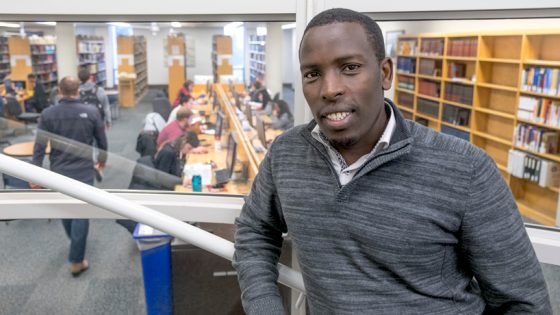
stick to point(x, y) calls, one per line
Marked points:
point(338, 116)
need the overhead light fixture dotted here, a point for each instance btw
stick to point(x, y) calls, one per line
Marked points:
point(176, 24)
point(21, 30)
point(233, 25)
point(46, 23)
point(289, 26)
point(12, 25)
point(229, 29)
point(154, 28)
point(119, 24)
point(261, 31)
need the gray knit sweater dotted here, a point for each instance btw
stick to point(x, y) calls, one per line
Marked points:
point(427, 226)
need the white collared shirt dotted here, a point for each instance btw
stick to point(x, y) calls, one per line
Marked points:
point(347, 172)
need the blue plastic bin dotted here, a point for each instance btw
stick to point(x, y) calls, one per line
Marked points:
point(155, 250)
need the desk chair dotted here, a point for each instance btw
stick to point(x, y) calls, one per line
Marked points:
point(14, 110)
point(162, 106)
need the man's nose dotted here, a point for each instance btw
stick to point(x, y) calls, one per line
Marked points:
point(332, 86)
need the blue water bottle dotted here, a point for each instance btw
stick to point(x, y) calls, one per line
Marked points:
point(197, 183)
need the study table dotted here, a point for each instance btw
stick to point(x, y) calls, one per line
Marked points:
point(22, 149)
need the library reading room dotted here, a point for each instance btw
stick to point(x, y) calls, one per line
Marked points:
point(288, 157)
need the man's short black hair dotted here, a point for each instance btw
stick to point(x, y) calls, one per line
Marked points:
point(339, 15)
point(84, 74)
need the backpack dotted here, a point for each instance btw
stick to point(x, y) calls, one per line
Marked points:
point(89, 97)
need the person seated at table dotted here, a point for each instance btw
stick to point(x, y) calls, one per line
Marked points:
point(185, 90)
point(186, 102)
point(261, 95)
point(39, 100)
point(176, 128)
point(172, 155)
point(281, 117)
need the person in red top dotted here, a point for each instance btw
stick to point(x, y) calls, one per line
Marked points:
point(175, 128)
point(185, 90)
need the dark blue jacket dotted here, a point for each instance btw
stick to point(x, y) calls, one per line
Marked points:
point(71, 128)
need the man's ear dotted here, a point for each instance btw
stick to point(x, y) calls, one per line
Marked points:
point(386, 73)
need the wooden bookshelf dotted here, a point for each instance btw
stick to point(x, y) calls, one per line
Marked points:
point(176, 61)
point(481, 78)
point(35, 55)
point(91, 55)
point(132, 69)
point(221, 56)
point(257, 56)
point(4, 56)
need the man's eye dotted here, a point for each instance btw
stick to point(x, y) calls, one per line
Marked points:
point(351, 67)
point(311, 75)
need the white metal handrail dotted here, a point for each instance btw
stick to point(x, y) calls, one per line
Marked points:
point(129, 209)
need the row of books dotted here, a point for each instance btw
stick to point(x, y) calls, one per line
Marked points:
point(536, 139)
point(463, 47)
point(432, 47)
point(43, 49)
point(541, 80)
point(540, 110)
point(456, 115)
point(406, 65)
point(407, 47)
point(405, 99)
point(457, 70)
point(427, 107)
point(459, 93)
point(541, 171)
point(406, 83)
point(429, 88)
point(430, 67)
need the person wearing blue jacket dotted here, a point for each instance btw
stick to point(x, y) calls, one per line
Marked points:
point(72, 128)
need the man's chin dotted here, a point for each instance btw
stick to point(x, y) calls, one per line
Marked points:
point(341, 142)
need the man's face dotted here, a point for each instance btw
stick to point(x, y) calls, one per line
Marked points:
point(343, 83)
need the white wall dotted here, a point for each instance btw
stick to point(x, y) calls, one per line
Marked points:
point(459, 26)
point(157, 69)
point(288, 57)
point(203, 49)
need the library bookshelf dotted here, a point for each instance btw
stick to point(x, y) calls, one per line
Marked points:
point(221, 56)
point(257, 56)
point(176, 61)
point(476, 86)
point(91, 55)
point(4, 56)
point(132, 69)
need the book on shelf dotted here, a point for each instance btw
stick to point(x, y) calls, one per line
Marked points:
point(536, 139)
point(541, 80)
point(406, 83)
point(407, 47)
point(457, 70)
point(429, 88)
point(541, 171)
point(462, 47)
point(405, 99)
point(430, 67)
point(459, 93)
point(539, 109)
point(432, 46)
point(456, 115)
point(406, 65)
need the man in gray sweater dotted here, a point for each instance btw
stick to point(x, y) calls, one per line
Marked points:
point(386, 216)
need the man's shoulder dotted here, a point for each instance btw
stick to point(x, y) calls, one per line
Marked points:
point(428, 139)
point(292, 134)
